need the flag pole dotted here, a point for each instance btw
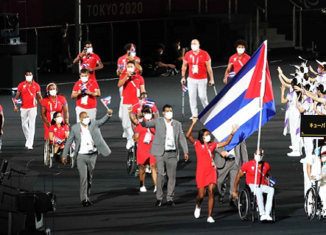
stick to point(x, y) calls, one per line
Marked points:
point(261, 99)
point(183, 104)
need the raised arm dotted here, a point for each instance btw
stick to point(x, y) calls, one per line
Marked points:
point(283, 83)
point(283, 100)
point(188, 135)
point(222, 144)
point(132, 117)
point(280, 72)
point(104, 119)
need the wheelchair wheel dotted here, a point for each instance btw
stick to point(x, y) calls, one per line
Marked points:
point(72, 158)
point(311, 203)
point(131, 160)
point(46, 153)
point(51, 149)
point(273, 209)
point(244, 205)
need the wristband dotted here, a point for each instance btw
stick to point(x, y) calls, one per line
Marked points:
point(183, 76)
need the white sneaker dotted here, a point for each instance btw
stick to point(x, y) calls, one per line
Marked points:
point(197, 213)
point(129, 144)
point(263, 218)
point(268, 217)
point(210, 220)
point(30, 147)
point(290, 147)
point(294, 154)
point(124, 135)
point(324, 213)
point(143, 189)
point(148, 170)
point(155, 189)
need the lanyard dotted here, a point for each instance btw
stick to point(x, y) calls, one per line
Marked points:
point(56, 99)
point(193, 59)
point(211, 156)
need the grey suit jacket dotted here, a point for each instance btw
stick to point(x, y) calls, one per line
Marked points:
point(94, 129)
point(158, 145)
point(240, 151)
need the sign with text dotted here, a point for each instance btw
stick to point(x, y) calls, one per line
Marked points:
point(313, 126)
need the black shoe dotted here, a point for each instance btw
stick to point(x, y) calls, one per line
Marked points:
point(220, 199)
point(171, 203)
point(233, 203)
point(86, 203)
point(158, 203)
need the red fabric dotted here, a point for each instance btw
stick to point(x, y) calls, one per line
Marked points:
point(91, 85)
point(28, 94)
point(250, 168)
point(138, 108)
point(52, 107)
point(234, 60)
point(59, 132)
point(123, 61)
point(1, 110)
point(143, 156)
point(130, 88)
point(205, 173)
point(89, 61)
point(202, 57)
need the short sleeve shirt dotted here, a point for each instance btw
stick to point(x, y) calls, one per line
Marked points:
point(122, 61)
point(1, 110)
point(53, 106)
point(90, 61)
point(59, 132)
point(250, 168)
point(142, 132)
point(28, 94)
point(237, 62)
point(200, 60)
point(131, 89)
point(89, 102)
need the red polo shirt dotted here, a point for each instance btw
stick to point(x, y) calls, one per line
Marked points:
point(89, 61)
point(237, 62)
point(131, 89)
point(59, 132)
point(250, 168)
point(28, 93)
point(200, 60)
point(91, 85)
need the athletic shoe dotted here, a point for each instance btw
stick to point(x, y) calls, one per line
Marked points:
point(263, 218)
point(197, 212)
point(324, 213)
point(268, 217)
point(148, 170)
point(290, 147)
point(294, 154)
point(143, 189)
point(155, 189)
point(210, 220)
point(130, 143)
point(124, 135)
point(30, 147)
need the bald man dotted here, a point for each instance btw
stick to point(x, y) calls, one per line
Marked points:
point(199, 63)
point(89, 143)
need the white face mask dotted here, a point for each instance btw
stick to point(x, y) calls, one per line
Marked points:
point(131, 69)
point(133, 54)
point(148, 116)
point(194, 47)
point(58, 120)
point(179, 47)
point(29, 78)
point(207, 138)
point(258, 158)
point(52, 92)
point(84, 79)
point(240, 50)
point(85, 121)
point(90, 50)
point(323, 159)
point(168, 115)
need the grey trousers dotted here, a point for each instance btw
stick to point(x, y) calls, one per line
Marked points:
point(231, 169)
point(85, 165)
point(170, 160)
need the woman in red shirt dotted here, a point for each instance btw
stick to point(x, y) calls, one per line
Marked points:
point(53, 102)
point(144, 137)
point(58, 132)
point(206, 169)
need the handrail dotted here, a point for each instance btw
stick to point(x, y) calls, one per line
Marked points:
point(295, 4)
point(258, 7)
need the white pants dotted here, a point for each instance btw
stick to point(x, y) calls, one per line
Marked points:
point(308, 148)
point(322, 194)
point(126, 123)
point(294, 123)
point(263, 210)
point(121, 102)
point(195, 85)
point(28, 117)
point(91, 113)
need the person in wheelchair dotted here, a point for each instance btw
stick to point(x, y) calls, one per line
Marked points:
point(58, 133)
point(249, 169)
point(316, 170)
point(144, 137)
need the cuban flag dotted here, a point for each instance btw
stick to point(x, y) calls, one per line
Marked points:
point(106, 101)
point(240, 101)
point(73, 146)
point(56, 140)
point(184, 88)
point(132, 48)
point(149, 103)
point(17, 101)
point(231, 74)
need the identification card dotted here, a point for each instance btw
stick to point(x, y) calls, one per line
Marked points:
point(138, 92)
point(195, 69)
point(170, 142)
point(84, 99)
point(147, 138)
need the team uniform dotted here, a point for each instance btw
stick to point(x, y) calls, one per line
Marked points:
point(206, 172)
point(59, 133)
point(249, 169)
point(131, 92)
point(197, 78)
point(84, 102)
point(140, 105)
point(28, 110)
point(52, 107)
point(145, 140)
point(89, 61)
point(237, 62)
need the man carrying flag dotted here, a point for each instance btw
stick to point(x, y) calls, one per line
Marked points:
point(105, 101)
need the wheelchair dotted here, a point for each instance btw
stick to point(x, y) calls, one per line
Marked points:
point(49, 155)
point(132, 167)
point(248, 206)
point(313, 203)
